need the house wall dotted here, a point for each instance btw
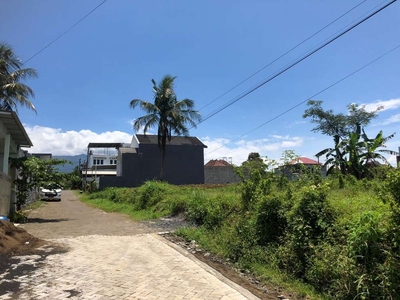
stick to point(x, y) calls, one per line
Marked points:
point(184, 164)
point(5, 194)
point(220, 175)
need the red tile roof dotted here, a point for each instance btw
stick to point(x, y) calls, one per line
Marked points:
point(218, 163)
point(304, 160)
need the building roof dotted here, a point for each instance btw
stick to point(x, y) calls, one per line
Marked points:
point(105, 145)
point(14, 126)
point(218, 163)
point(127, 150)
point(304, 160)
point(175, 140)
point(42, 155)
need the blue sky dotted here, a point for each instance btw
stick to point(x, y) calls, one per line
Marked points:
point(88, 77)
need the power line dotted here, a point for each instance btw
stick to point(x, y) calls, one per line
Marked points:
point(234, 100)
point(284, 54)
point(313, 96)
point(65, 32)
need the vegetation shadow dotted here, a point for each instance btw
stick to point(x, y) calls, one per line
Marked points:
point(40, 220)
point(13, 267)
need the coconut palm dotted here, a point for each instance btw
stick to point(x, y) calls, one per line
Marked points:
point(12, 91)
point(167, 113)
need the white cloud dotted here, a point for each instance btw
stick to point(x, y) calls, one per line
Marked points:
point(392, 119)
point(219, 148)
point(294, 124)
point(387, 104)
point(58, 142)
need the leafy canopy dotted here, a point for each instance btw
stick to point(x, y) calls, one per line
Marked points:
point(12, 91)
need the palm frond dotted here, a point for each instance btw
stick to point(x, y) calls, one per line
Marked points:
point(323, 152)
point(145, 122)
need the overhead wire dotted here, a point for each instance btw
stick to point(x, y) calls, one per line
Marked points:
point(311, 97)
point(64, 33)
point(291, 65)
point(297, 61)
point(284, 54)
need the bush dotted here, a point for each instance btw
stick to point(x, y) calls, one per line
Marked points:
point(309, 222)
point(271, 221)
point(209, 211)
point(151, 192)
point(254, 189)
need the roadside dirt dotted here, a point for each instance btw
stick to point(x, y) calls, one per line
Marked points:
point(16, 241)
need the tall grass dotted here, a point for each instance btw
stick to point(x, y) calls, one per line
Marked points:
point(336, 238)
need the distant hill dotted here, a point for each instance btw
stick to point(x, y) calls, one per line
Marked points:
point(67, 168)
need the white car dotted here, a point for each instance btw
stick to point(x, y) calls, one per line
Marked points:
point(50, 193)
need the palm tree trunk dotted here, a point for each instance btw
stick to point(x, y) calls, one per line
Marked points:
point(163, 145)
point(162, 165)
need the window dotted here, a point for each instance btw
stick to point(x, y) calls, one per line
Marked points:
point(101, 161)
point(94, 161)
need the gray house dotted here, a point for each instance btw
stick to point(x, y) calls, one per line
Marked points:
point(12, 137)
point(141, 161)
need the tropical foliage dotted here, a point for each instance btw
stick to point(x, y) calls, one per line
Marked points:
point(33, 173)
point(167, 113)
point(353, 152)
point(253, 163)
point(13, 92)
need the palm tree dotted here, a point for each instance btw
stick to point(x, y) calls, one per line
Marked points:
point(12, 91)
point(170, 115)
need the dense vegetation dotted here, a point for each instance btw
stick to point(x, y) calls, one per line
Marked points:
point(331, 238)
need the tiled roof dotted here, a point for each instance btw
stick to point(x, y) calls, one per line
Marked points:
point(218, 163)
point(304, 160)
point(175, 140)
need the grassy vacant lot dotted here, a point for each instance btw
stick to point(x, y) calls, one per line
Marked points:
point(335, 238)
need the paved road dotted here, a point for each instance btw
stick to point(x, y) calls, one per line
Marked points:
point(98, 255)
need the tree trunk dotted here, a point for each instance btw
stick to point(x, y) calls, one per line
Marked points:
point(162, 165)
point(163, 145)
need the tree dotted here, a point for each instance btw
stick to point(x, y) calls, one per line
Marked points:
point(358, 153)
point(34, 172)
point(167, 113)
point(332, 124)
point(253, 163)
point(12, 91)
point(338, 126)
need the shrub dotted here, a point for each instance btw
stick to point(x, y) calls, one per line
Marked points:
point(243, 240)
point(271, 221)
point(151, 192)
point(367, 244)
point(209, 211)
point(309, 222)
point(254, 189)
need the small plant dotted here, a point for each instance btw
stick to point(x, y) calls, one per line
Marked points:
point(18, 217)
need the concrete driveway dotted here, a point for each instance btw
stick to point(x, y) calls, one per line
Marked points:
point(98, 255)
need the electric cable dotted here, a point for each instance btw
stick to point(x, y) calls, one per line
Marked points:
point(64, 33)
point(297, 61)
point(284, 54)
point(313, 96)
